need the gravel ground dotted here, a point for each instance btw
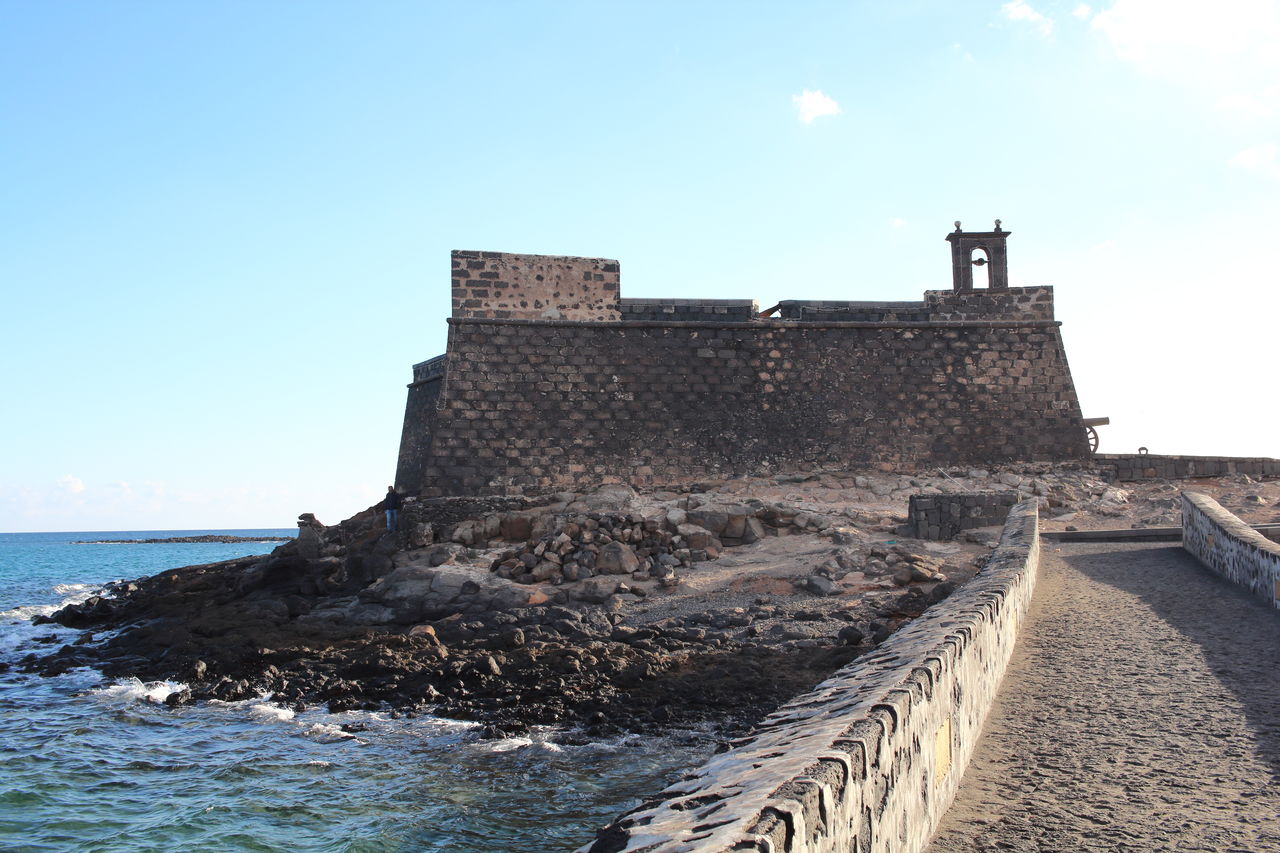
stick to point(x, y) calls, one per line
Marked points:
point(1141, 711)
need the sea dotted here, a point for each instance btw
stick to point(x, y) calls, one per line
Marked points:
point(89, 763)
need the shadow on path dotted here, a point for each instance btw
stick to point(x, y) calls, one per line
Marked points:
point(1238, 634)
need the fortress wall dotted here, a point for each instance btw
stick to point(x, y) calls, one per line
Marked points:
point(1230, 548)
point(1143, 466)
point(502, 285)
point(538, 406)
point(871, 758)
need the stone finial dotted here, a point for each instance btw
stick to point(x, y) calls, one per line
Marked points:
point(957, 226)
point(997, 226)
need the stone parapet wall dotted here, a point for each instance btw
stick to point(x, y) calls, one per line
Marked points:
point(871, 758)
point(503, 286)
point(432, 368)
point(1142, 466)
point(867, 312)
point(1230, 548)
point(946, 515)
point(690, 310)
point(1015, 303)
point(535, 406)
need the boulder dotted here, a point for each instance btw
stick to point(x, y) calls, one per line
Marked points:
point(710, 517)
point(596, 590)
point(616, 558)
point(697, 537)
point(516, 527)
point(820, 585)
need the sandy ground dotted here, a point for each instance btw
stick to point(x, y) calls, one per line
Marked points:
point(1141, 711)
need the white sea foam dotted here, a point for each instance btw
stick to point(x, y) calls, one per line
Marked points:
point(135, 690)
point(268, 712)
point(508, 744)
point(326, 733)
point(27, 612)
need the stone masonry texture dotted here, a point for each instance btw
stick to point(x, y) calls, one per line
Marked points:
point(505, 286)
point(1140, 712)
point(944, 516)
point(545, 405)
point(544, 387)
point(1128, 467)
point(1230, 548)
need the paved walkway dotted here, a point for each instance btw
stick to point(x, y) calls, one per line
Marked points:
point(1141, 711)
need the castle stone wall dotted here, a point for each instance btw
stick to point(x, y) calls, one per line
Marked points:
point(537, 405)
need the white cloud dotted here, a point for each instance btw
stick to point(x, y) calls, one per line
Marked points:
point(72, 484)
point(1230, 40)
point(1263, 159)
point(898, 222)
point(813, 105)
point(1020, 10)
point(1082, 11)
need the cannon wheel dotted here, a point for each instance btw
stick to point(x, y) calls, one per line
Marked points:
point(1092, 435)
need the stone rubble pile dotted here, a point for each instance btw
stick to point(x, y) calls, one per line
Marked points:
point(625, 543)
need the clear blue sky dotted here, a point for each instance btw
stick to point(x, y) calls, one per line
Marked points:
point(225, 227)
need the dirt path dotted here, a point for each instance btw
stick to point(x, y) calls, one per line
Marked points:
point(1141, 711)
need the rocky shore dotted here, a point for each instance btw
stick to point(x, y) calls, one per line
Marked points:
point(611, 611)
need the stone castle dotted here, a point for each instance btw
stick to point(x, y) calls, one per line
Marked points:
point(553, 381)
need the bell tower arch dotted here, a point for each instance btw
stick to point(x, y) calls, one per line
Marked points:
point(979, 248)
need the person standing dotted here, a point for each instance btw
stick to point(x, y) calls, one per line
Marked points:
point(392, 506)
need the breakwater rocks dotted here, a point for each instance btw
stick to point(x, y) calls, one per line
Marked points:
point(611, 609)
point(169, 540)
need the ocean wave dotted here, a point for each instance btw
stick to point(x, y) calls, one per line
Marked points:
point(136, 690)
point(72, 593)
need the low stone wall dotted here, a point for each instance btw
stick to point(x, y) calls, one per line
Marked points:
point(944, 516)
point(871, 758)
point(1231, 548)
point(1142, 466)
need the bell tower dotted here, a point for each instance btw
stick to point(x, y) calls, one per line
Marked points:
point(989, 248)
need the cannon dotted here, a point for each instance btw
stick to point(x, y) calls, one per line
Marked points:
point(1092, 434)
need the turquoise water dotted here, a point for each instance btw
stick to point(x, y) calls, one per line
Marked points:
point(88, 764)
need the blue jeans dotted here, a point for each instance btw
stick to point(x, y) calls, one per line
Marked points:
point(392, 517)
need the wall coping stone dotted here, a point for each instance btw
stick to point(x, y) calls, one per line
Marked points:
point(871, 758)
